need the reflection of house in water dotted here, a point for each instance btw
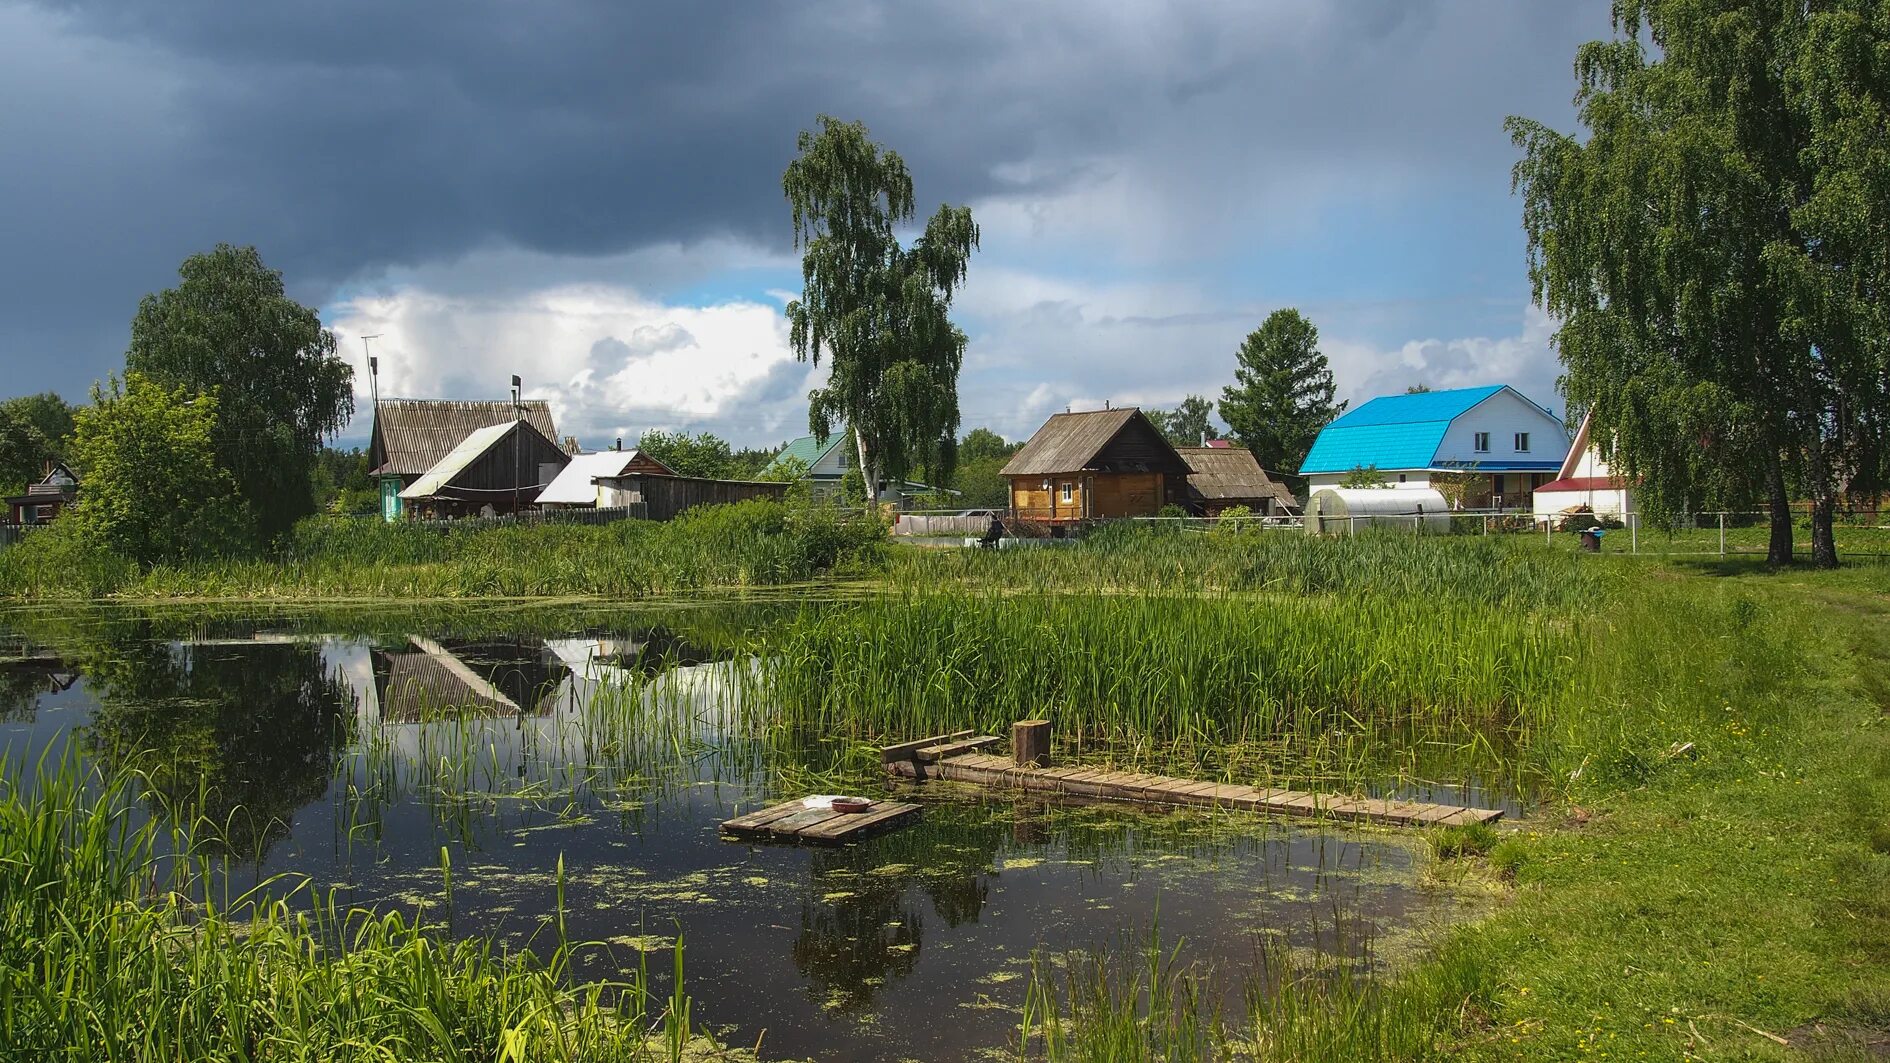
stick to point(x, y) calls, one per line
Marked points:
point(487, 677)
point(27, 672)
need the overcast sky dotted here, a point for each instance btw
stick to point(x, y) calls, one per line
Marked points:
point(588, 193)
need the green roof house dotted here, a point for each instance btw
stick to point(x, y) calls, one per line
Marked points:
point(828, 461)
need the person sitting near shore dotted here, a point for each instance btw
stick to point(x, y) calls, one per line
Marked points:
point(992, 533)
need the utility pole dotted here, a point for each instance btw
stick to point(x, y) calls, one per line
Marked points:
point(518, 415)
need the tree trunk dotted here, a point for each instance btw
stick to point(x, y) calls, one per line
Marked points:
point(1779, 550)
point(867, 476)
point(1823, 511)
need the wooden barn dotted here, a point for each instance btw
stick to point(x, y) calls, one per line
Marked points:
point(1222, 476)
point(410, 436)
point(497, 469)
point(1093, 465)
point(581, 484)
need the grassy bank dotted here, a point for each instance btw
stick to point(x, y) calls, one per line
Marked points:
point(113, 946)
point(748, 544)
point(1709, 904)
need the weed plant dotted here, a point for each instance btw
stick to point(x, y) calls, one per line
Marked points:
point(113, 945)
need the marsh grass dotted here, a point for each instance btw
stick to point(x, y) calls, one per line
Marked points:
point(753, 543)
point(117, 945)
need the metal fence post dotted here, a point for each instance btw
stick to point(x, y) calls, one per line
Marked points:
point(1634, 533)
point(1722, 535)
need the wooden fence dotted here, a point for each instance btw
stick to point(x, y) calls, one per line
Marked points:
point(666, 496)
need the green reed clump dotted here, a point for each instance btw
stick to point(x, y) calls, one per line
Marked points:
point(1142, 1003)
point(1496, 570)
point(747, 544)
point(1210, 669)
point(114, 946)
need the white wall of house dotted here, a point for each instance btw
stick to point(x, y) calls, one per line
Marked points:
point(1502, 416)
point(1617, 502)
point(1410, 479)
point(835, 462)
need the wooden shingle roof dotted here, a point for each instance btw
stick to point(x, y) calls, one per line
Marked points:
point(1069, 442)
point(412, 435)
point(1223, 473)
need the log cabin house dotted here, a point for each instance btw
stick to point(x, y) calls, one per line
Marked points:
point(1222, 476)
point(1094, 465)
point(411, 436)
point(497, 469)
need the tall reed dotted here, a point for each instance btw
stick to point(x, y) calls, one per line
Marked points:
point(115, 946)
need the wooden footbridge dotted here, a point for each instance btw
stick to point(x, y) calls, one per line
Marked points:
point(955, 758)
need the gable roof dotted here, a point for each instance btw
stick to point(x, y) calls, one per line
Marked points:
point(810, 449)
point(573, 485)
point(1396, 431)
point(1576, 449)
point(412, 435)
point(1230, 472)
point(470, 449)
point(1068, 442)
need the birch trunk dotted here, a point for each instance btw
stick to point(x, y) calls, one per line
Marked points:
point(867, 474)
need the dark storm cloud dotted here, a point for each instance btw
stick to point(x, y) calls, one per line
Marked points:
point(350, 138)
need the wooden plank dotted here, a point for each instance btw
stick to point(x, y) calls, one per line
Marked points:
point(905, 750)
point(930, 754)
point(800, 821)
point(758, 818)
point(844, 827)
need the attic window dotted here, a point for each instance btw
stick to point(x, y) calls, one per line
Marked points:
point(1483, 443)
point(1522, 442)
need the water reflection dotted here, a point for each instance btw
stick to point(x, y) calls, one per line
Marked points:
point(617, 748)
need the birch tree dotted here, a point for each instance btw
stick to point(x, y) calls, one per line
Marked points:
point(877, 310)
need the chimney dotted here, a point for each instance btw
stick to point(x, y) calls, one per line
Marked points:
point(1105, 404)
point(619, 445)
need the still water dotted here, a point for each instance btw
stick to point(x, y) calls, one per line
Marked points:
point(362, 755)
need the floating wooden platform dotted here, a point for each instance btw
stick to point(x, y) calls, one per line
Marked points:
point(1000, 772)
point(793, 821)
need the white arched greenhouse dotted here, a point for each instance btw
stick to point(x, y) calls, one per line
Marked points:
point(1344, 510)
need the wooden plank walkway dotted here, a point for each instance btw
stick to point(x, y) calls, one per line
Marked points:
point(794, 821)
point(999, 772)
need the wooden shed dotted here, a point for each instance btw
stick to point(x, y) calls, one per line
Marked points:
point(1096, 464)
point(411, 436)
point(1221, 477)
point(497, 469)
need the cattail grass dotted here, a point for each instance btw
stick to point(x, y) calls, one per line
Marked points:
point(114, 945)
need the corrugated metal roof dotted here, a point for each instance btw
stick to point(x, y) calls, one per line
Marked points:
point(1230, 472)
point(1068, 442)
point(809, 449)
point(1415, 408)
point(573, 487)
point(1392, 431)
point(417, 433)
point(457, 459)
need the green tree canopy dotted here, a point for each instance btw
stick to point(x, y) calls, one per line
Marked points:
point(1717, 250)
point(229, 327)
point(34, 429)
point(1282, 391)
point(878, 310)
point(1189, 423)
point(154, 490)
point(978, 478)
point(705, 454)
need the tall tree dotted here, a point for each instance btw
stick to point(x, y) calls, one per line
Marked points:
point(34, 429)
point(1282, 391)
point(878, 310)
point(153, 488)
point(1189, 423)
point(1715, 249)
point(705, 454)
point(229, 327)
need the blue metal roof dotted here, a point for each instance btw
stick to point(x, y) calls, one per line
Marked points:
point(1391, 431)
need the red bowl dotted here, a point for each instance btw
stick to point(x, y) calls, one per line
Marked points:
point(852, 804)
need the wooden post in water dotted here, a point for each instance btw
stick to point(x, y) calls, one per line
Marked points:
point(1030, 743)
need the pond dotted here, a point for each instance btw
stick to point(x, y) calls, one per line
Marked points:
point(594, 761)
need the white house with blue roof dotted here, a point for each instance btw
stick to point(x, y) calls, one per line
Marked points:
point(1508, 443)
point(827, 462)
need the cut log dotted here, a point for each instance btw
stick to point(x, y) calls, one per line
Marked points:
point(1030, 743)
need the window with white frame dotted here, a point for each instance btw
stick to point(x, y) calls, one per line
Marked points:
point(1522, 442)
point(1068, 492)
point(1483, 442)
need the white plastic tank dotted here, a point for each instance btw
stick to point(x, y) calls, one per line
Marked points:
point(1343, 510)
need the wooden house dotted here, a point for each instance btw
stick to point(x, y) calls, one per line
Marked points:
point(1093, 465)
point(497, 469)
point(1222, 476)
point(581, 484)
point(410, 436)
point(47, 498)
